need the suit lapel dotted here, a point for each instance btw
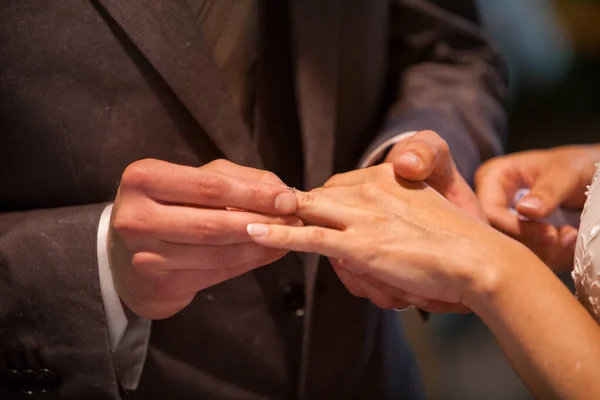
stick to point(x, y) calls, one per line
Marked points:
point(315, 31)
point(167, 36)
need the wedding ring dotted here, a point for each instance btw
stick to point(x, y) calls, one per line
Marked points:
point(404, 309)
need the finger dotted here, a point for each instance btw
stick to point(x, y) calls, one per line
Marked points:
point(417, 157)
point(347, 278)
point(382, 295)
point(568, 237)
point(220, 261)
point(438, 307)
point(543, 239)
point(317, 209)
point(178, 224)
point(497, 182)
point(340, 194)
point(309, 239)
point(228, 168)
point(386, 299)
point(176, 184)
point(532, 233)
point(552, 188)
point(565, 250)
point(426, 157)
point(178, 283)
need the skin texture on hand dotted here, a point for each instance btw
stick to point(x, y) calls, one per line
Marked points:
point(426, 157)
point(407, 235)
point(176, 230)
point(404, 235)
point(557, 177)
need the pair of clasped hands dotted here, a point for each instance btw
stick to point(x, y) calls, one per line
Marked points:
point(406, 232)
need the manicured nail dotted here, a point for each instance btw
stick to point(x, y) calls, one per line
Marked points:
point(569, 239)
point(257, 229)
point(286, 203)
point(410, 158)
point(533, 203)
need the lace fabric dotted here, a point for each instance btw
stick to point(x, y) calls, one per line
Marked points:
point(586, 271)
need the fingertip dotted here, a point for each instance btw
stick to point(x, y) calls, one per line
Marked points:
point(286, 202)
point(531, 206)
point(257, 230)
point(410, 166)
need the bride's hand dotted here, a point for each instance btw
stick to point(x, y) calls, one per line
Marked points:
point(404, 235)
point(557, 177)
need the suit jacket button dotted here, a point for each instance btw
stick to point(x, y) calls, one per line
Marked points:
point(293, 299)
point(46, 381)
point(27, 381)
point(9, 380)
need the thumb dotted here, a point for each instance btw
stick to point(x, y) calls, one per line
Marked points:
point(426, 157)
point(418, 157)
point(552, 188)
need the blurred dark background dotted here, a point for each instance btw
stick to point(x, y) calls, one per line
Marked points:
point(552, 48)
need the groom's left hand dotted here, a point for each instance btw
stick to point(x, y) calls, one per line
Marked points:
point(425, 156)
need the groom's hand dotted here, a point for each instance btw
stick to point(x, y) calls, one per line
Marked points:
point(425, 156)
point(176, 230)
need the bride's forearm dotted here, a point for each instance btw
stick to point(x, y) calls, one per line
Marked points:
point(549, 338)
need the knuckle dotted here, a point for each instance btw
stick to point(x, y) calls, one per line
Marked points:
point(219, 163)
point(258, 191)
point(307, 198)
point(143, 262)
point(316, 236)
point(137, 174)
point(269, 176)
point(208, 228)
point(371, 191)
point(225, 257)
point(129, 220)
point(331, 181)
point(212, 187)
point(318, 191)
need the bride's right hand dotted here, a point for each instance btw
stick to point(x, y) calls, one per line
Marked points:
point(557, 177)
point(402, 234)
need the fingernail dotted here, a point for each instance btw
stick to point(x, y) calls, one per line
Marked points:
point(531, 202)
point(286, 202)
point(569, 239)
point(410, 158)
point(257, 229)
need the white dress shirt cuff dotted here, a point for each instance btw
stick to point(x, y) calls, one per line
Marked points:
point(370, 159)
point(129, 334)
point(113, 309)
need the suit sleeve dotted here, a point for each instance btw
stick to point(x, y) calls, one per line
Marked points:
point(448, 79)
point(53, 331)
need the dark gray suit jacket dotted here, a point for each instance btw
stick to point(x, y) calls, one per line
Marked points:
point(89, 86)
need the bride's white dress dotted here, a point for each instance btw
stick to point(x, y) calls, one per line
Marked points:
point(586, 273)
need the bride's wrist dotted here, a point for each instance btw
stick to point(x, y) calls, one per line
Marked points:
point(496, 272)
